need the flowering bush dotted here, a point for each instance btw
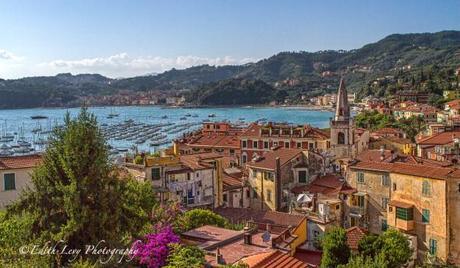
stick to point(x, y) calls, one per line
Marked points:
point(154, 249)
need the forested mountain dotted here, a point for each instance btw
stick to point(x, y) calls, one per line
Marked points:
point(306, 73)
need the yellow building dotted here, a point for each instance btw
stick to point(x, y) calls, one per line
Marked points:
point(271, 180)
point(421, 200)
point(451, 94)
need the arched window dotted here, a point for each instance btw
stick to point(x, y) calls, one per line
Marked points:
point(341, 138)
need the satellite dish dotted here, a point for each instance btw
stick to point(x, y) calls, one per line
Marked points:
point(266, 237)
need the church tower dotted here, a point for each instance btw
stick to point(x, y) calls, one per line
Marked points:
point(342, 127)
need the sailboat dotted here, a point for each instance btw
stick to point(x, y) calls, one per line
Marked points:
point(112, 114)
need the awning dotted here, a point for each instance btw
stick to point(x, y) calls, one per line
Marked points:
point(400, 204)
point(304, 198)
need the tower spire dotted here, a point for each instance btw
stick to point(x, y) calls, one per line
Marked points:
point(342, 112)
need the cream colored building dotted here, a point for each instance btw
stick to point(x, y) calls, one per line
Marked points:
point(15, 175)
point(421, 200)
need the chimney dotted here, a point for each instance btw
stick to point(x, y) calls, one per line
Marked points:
point(382, 153)
point(218, 257)
point(247, 235)
point(268, 228)
point(278, 191)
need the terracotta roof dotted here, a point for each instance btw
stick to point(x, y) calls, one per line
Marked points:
point(354, 234)
point(215, 140)
point(440, 138)
point(268, 160)
point(312, 258)
point(18, 162)
point(420, 170)
point(400, 204)
point(238, 215)
point(232, 181)
point(195, 161)
point(273, 260)
point(328, 184)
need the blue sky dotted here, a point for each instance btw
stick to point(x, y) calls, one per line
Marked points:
point(127, 38)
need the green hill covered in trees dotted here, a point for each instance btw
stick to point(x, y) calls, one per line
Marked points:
point(401, 56)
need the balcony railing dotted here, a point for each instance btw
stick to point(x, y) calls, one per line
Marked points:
point(358, 210)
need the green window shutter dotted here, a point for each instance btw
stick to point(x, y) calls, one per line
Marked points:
point(9, 181)
point(425, 215)
point(384, 225)
point(426, 189)
point(406, 214)
point(433, 246)
point(302, 176)
point(156, 174)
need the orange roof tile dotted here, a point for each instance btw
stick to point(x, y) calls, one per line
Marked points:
point(328, 184)
point(268, 160)
point(274, 260)
point(18, 162)
point(440, 138)
point(354, 234)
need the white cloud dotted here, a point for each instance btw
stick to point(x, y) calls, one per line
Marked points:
point(123, 65)
point(7, 55)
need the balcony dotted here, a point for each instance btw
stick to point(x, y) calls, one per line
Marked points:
point(406, 225)
point(358, 211)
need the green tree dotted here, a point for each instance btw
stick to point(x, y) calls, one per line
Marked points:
point(391, 246)
point(367, 245)
point(15, 232)
point(198, 217)
point(335, 248)
point(77, 195)
point(359, 261)
point(185, 256)
point(394, 247)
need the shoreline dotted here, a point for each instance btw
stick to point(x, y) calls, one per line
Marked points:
point(300, 107)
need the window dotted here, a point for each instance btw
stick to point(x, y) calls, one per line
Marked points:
point(156, 174)
point(433, 246)
point(244, 144)
point(225, 197)
point(425, 215)
point(244, 158)
point(302, 176)
point(384, 225)
point(269, 176)
point(406, 214)
point(299, 145)
point(360, 177)
point(385, 202)
point(254, 144)
point(426, 188)
point(9, 182)
point(361, 201)
point(385, 180)
point(266, 144)
point(394, 186)
point(269, 195)
point(286, 145)
point(232, 151)
point(311, 146)
point(341, 138)
point(248, 194)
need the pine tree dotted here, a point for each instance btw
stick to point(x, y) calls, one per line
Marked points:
point(76, 195)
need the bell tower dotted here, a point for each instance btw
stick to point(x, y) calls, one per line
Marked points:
point(342, 128)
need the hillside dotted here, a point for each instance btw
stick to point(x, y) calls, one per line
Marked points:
point(298, 73)
point(235, 92)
